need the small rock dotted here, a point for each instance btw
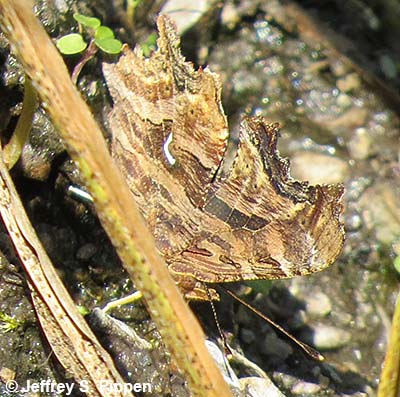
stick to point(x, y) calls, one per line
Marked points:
point(86, 252)
point(247, 335)
point(286, 380)
point(344, 100)
point(274, 346)
point(305, 388)
point(339, 68)
point(318, 168)
point(35, 164)
point(318, 304)
point(349, 82)
point(355, 189)
point(6, 374)
point(353, 221)
point(388, 66)
point(230, 16)
point(328, 337)
point(298, 320)
point(360, 144)
point(381, 212)
point(223, 364)
point(260, 387)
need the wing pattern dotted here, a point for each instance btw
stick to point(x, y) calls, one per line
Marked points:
point(169, 138)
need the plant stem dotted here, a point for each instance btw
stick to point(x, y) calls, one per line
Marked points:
point(87, 56)
point(390, 376)
point(12, 151)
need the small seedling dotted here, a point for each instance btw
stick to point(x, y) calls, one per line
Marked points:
point(101, 37)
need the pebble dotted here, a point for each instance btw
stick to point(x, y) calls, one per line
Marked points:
point(318, 168)
point(327, 337)
point(344, 100)
point(339, 68)
point(359, 145)
point(85, 252)
point(247, 335)
point(318, 304)
point(388, 66)
point(6, 374)
point(275, 346)
point(350, 82)
point(35, 164)
point(381, 212)
point(305, 388)
point(260, 387)
point(223, 364)
point(353, 221)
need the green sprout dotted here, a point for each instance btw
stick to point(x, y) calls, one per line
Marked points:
point(101, 37)
point(131, 8)
point(149, 45)
point(71, 44)
point(8, 323)
point(83, 310)
point(89, 22)
point(13, 149)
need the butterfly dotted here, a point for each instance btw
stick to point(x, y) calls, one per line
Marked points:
point(213, 223)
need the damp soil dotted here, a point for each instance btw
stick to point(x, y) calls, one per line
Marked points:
point(328, 75)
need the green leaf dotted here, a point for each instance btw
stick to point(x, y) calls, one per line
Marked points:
point(396, 263)
point(83, 310)
point(149, 45)
point(110, 46)
point(71, 44)
point(88, 22)
point(103, 32)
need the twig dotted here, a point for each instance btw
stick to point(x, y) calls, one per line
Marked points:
point(113, 200)
point(390, 376)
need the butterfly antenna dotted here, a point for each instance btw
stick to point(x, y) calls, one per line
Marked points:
point(228, 351)
point(308, 349)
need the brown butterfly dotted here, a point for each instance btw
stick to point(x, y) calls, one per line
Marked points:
point(169, 138)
